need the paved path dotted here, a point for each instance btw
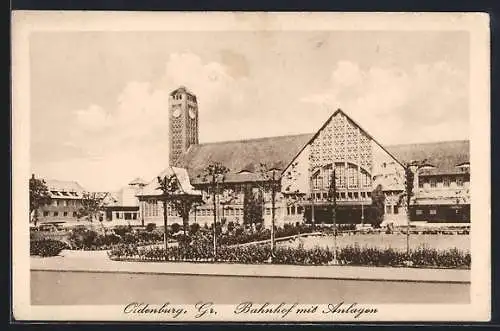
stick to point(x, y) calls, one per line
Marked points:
point(98, 262)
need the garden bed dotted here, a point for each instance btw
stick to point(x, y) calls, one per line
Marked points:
point(259, 254)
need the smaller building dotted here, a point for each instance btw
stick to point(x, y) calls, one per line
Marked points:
point(66, 198)
point(122, 207)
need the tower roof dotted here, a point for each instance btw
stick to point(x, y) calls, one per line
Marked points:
point(181, 89)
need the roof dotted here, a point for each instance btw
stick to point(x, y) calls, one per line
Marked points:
point(138, 181)
point(445, 157)
point(185, 187)
point(182, 89)
point(243, 157)
point(63, 186)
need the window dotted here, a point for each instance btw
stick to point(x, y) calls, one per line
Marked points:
point(58, 202)
point(74, 214)
point(460, 181)
point(419, 212)
point(446, 182)
point(325, 195)
point(118, 215)
point(421, 183)
point(300, 210)
point(340, 174)
point(432, 182)
point(56, 213)
point(268, 211)
point(293, 210)
point(128, 216)
point(65, 213)
point(388, 209)
point(318, 182)
point(432, 211)
point(366, 179)
point(45, 213)
point(396, 210)
point(352, 177)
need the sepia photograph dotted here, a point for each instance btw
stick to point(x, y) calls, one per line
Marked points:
point(251, 167)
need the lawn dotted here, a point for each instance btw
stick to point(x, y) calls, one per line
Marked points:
point(395, 241)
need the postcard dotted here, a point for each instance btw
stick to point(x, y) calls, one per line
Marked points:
point(250, 167)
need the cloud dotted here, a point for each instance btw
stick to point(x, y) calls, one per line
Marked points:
point(129, 138)
point(392, 103)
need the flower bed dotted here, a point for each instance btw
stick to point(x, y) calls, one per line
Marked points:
point(257, 254)
point(46, 247)
point(91, 240)
point(241, 236)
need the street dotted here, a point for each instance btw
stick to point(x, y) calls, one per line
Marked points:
point(117, 288)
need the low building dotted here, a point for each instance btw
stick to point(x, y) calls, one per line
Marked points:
point(122, 207)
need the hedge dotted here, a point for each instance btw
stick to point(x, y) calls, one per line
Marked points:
point(46, 247)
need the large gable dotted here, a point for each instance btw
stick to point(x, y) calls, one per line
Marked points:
point(244, 156)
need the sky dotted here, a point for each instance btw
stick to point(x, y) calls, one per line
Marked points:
point(99, 100)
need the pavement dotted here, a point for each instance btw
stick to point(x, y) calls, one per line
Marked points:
point(97, 261)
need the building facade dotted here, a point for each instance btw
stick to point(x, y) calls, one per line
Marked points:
point(122, 207)
point(66, 198)
point(303, 166)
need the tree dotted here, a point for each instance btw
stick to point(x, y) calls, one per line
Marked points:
point(252, 205)
point(39, 196)
point(273, 183)
point(183, 204)
point(91, 207)
point(378, 206)
point(168, 186)
point(214, 174)
point(332, 196)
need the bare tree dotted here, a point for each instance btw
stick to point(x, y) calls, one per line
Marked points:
point(214, 174)
point(168, 186)
point(272, 182)
point(92, 204)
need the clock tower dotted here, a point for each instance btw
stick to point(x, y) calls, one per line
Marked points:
point(183, 115)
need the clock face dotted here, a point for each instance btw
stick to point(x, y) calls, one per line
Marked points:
point(177, 112)
point(192, 114)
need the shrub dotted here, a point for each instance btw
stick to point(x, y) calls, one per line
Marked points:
point(150, 227)
point(46, 247)
point(121, 230)
point(194, 228)
point(175, 227)
point(83, 238)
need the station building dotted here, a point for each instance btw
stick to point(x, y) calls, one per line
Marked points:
point(303, 164)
